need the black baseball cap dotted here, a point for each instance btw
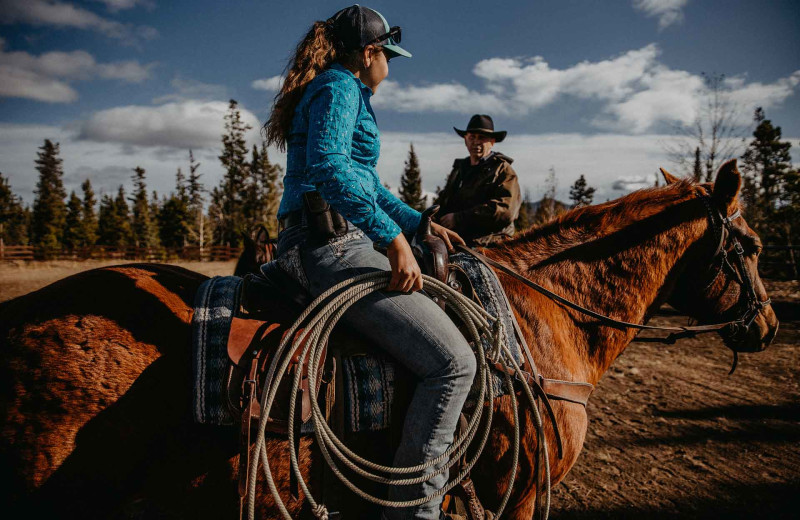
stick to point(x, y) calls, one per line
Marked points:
point(357, 26)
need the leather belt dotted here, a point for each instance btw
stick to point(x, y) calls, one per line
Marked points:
point(293, 218)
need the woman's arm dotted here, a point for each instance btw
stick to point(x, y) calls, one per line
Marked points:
point(406, 216)
point(333, 110)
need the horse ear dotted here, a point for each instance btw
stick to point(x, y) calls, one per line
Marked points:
point(668, 177)
point(727, 184)
point(262, 236)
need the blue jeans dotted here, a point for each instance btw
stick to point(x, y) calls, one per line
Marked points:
point(409, 327)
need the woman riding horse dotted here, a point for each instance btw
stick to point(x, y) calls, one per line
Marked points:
point(334, 207)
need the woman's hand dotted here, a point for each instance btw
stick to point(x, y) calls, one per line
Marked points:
point(406, 275)
point(449, 236)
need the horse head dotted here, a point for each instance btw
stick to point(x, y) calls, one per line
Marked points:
point(721, 282)
point(258, 250)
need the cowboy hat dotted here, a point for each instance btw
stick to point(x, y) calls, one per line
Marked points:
point(482, 124)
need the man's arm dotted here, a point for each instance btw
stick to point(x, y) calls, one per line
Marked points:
point(499, 209)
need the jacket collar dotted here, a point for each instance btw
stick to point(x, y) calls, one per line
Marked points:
point(341, 68)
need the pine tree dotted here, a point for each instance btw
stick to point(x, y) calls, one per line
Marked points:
point(770, 187)
point(88, 233)
point(49, 210)
point(180, 186)
point(141, 224)
point(114, 228)
point(72, 227)
point(106, 214)
point(697, 169)
point(195, 193)
point(266, 190)
point(175, 217)
point(232, 192)
point(766, 161)
point(580, 194)
point(411, 182)
point(13, 228)
point(252, 211)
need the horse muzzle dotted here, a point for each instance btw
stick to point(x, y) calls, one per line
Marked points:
point(754, 335)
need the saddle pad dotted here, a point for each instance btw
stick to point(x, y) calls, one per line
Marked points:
point(368, 390)
point(368, 381)
point(213, 311)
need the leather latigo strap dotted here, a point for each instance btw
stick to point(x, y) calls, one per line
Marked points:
point(569, 391)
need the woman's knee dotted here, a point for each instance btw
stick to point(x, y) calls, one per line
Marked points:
point(465, 365)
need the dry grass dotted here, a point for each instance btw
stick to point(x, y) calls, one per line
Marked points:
point(18, 278)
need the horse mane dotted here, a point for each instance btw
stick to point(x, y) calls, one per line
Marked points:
point(581, 225)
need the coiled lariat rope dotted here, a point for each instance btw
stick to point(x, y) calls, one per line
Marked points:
point(324, 312)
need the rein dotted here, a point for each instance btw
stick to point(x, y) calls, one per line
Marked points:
point(738, 326)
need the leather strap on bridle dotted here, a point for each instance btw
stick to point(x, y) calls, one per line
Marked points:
point(677, 332)
point(742, 323)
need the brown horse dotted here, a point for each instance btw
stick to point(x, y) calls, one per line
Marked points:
point(95, 368)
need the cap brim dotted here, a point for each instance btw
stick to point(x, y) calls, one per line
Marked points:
point(396, 50)
point(498, 136)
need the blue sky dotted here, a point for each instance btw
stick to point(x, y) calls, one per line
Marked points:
point(585, 87)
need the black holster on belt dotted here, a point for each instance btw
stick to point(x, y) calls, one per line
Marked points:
point(322, 220)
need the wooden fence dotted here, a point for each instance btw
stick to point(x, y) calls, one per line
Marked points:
point(203, 254)
point(780, 262)
point(775, 262)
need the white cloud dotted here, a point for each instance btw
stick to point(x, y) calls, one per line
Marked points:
point(52, 13)
point(22, 83)
point(121, 5)
point(272, 84)
point(46, 77)
point(189, 89)
point(442, 97)
point(668, 11)
point(628, 183)
point(177, 125)
point(751, 95)
point(633, 92)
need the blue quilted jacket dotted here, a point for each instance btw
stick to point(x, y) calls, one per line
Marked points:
point(333, 147)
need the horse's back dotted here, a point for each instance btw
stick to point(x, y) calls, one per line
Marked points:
point(94, 368)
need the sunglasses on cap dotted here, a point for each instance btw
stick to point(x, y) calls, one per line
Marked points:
point(395, 33)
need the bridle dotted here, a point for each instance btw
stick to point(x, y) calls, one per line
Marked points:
point(720, 226)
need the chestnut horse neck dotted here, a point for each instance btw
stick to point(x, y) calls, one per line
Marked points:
point(620, 258)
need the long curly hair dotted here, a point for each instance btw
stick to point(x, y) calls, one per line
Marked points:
point(315, 53)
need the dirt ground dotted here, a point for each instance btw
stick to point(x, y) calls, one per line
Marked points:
point(671, 435)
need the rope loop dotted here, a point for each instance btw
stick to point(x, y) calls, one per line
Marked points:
point(318, 321)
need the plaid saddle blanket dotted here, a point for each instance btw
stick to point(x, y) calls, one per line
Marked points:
point(368, 380)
